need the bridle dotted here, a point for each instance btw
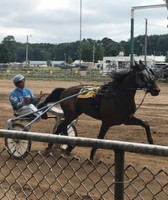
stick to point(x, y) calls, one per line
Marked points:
point(143, 77)
point(141, 101)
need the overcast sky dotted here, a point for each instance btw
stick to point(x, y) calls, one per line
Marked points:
point(58, 21)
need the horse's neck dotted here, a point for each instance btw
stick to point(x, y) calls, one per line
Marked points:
point(128, 86)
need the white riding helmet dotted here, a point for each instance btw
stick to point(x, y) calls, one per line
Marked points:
point(18, 78)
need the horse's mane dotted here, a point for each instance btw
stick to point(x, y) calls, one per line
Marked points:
point(110, 88)
point(118, 77)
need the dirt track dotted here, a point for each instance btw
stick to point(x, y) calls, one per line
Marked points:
point(154, 110)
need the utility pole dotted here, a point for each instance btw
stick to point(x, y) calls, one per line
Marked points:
point(27, 50)
point(65, 60)
point(80, 48)
point(146, 23)
point(132, 23)
point(166, 2)
point(94, 50)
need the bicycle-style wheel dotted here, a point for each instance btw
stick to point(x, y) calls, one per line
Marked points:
point(18, 148)
point(71, 130)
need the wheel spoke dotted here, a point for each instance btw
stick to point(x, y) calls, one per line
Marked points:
point(17, 148)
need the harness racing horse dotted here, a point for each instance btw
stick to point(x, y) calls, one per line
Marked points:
point(114, 103)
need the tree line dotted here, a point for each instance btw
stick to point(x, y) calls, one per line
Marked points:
point(88, 49)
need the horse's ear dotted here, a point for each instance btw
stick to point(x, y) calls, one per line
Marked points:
point(140, 62)
point(142, 65)
point(131, 66)
point(139, 66)
point(134, 66)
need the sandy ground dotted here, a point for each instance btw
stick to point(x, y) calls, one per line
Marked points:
point(154, 110)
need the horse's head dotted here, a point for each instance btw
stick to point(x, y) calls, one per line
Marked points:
point(145, 79)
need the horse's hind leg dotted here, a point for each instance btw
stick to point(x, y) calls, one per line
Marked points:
point(135, 121)
point(61, 128)
point(68, 119)
point(69, 149)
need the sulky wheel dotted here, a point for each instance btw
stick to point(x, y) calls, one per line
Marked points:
point(17, 148)
point(71, 129)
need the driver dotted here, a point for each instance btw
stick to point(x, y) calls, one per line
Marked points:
point(22, 99)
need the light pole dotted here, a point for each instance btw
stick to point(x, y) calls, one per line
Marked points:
point(166, 2)
point(142, 50)
point(27, 50)
point(80, 51)
point(145, 50)
point(65, 58)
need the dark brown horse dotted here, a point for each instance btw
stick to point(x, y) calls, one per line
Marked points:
point(114, 103)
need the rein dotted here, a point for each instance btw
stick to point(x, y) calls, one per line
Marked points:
point(141, 101)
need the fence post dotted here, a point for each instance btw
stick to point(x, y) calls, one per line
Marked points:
point(119, 175)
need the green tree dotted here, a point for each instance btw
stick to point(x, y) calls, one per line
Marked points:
point(111, 48)
point(20, 52)
point(8, 50)
point(3, 55)
point(49, 64)
point(11, 51)
point(87, 48)
point(92, 49)
point(70, 60)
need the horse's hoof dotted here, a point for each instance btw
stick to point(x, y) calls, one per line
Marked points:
point(56, 146)
point(151, 142)
point(68, 153)
point(48, 151)
point(62, 149)
point(89, 161)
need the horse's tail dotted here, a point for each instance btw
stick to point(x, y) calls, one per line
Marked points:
point(51, 98)
point(54, 96)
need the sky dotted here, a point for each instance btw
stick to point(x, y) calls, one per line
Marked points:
point(58, 21)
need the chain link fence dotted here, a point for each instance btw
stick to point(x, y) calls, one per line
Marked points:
point(62, 177)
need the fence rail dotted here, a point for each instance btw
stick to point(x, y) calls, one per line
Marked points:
point(54, 73)
point(149, 149)
point(39, 177)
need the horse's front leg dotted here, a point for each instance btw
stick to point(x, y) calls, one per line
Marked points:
point(135, 121)
point(103, 130)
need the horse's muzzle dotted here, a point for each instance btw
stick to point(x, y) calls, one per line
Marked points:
point(155, 92)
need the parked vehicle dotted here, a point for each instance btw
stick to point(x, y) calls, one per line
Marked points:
point(161, 71)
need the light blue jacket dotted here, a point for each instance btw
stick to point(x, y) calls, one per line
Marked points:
point(17, 97)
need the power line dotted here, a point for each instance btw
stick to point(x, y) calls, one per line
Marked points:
point(157, 25)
